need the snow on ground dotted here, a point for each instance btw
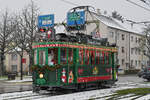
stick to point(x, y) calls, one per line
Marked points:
point(101, 94)
point(25, 79)
point(18, 80)
point(74, 96)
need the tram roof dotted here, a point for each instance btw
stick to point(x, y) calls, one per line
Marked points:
point(73, 45)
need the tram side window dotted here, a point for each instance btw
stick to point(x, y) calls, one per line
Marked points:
point(110, 58)
point(97, 57)
point(81, 56)
point(106, 58)
point(52, 56)
point(63, 56)
point(70, 56)
point(101, 57)
point(42, 57)
point(35, 57)
point(87, 57)
point(92, 57)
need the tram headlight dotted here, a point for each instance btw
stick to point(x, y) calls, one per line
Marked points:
point(41, 75)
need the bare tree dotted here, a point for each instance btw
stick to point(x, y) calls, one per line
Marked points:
point(146, 41)
point(117, 16)
point(7, 25)
point(29, 18)
point(20, 41)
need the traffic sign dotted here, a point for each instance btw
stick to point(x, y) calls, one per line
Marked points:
point(75, 18)
point(46, 20)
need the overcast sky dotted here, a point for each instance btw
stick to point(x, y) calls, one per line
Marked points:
point(60, 8)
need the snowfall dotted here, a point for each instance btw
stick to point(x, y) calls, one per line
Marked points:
point(101, 94)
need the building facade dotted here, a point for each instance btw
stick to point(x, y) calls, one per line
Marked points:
point(13, 63)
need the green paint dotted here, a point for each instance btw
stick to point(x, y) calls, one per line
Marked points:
point(41, 81)
point(46, 54)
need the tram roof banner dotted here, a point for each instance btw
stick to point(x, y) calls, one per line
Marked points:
point(46, 20)
point(75, 18)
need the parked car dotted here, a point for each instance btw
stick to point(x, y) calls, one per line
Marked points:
point(145, 73)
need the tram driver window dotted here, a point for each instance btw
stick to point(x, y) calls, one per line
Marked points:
point(52, 56)
point(35, 57)
point(42, 57)
point(63, 55)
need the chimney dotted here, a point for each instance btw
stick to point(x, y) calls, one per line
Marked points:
point(98, 11)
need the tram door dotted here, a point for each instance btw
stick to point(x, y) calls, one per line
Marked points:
point(72, 55)
point(68, 59)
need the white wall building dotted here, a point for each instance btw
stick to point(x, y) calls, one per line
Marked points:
point(126, 38)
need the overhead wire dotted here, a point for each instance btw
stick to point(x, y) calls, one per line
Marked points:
point(138, 5)
point(71, 3)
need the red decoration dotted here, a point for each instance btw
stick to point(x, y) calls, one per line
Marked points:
point(80, 71)
point(23, 60)
point(90, 79)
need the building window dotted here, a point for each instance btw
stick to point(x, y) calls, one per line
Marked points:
point(136, 63)
point(132, 50)
point(139, 63)
point(135, 50)
point(136, 39)
point(132, 38)
point(131, 63)
point(14, 56)
point(123, 36)
point(122, 61)
point(112, 34)
point(139, 40)
point(118, 35)
point(122, 49)
point(139, 51)
point(14, 68)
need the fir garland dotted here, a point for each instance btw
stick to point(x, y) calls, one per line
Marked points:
point(44, 68)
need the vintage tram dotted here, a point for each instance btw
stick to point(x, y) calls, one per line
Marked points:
point(76, 65)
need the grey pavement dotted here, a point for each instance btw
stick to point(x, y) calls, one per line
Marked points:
point(15, 85)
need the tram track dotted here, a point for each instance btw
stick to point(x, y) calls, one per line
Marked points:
point(29, 95)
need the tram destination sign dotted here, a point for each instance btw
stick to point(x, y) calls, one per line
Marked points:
point(75, 18)
point(46, 20)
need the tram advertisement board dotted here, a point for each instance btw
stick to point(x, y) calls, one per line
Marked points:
point(46, 20)
point(75, 18)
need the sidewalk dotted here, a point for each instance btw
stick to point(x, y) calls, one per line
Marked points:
point(17, 80)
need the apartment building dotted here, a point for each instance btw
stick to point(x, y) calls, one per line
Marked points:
point(127, 39)
point(13, 61)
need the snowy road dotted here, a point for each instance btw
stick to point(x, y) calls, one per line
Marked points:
point(101, 94)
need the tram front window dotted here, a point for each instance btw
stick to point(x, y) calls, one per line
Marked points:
point(35, 57)
point(52, 56)
point(42, 57)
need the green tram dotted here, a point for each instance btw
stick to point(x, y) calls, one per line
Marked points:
point(64, 64)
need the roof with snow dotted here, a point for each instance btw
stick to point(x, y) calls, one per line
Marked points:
point(114, 23)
